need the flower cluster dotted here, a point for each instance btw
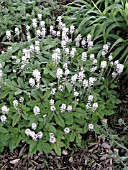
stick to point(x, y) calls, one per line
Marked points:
point(33, 135)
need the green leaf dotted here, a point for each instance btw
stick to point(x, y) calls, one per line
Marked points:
point(78, 139)
point(69, 86)
point(96, 129)
point(85, 128)
point(4, 94)
point(15, 118)
point(14, 142)
point(72, 136)
point(33, 148)
point(45, 147)
point(3, 130)
point(18, 92)
point(57, 149)
point(59, 120)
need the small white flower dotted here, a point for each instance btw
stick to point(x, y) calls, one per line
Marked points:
point(13, 57)
point(3, 118)
point(36, 110)
point(66, 130)
point(54, 33)
point(84, 56)
point(69, 108)
point(110, 57)
point(92, 56)
point(53, 109)
point(38, 32)
point(37, 75)
point(37, 43)
point(119, 68)
point(85, 83)
point(111, 63)
point(15, 103)
point(27, 132)
point(32, 82)
point(94, 62)
point(66, 51)
point(116, 62)
point(56, 57)
point(104, 53)
point(21, 99)
point(65, 66)
point(90, 126)
point(81, 75)
point(59, 73)
point(103, 64)
point(43, 32)
point(44, 116)
point(83, 42)
point(76, 93)
point(63, 44)
point(8, 35)
point(72, 28)
point(40, 135)
point(114, 74)
point(95, 106)
point(14, 71)
point(5, 109)
point(93, 69)
point(51, 102)
point(52, 139)
point(53, 91)
point(42, 23)
point(58, 33)
point(39, 16)
point(74, 78)
point(91, 81)
point(59, 18)
point(34, 126)
point(37, 48)
point(90, 44)
point(33, 135)
point(105, 47)
point(90, 98)
point(67, 72)
point(51, 28)
point(51, 134)
point(89, 37)
point(63, 107)
point(17, 31)
point(31, 48)
point(61, 88)
point(88, 106)
point(34, 23)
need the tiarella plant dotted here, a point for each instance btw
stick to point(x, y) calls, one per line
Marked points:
point(53, 88)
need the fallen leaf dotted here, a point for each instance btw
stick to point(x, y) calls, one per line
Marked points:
point(65, 152)
point(103, 157)
point(106, 146)
point(14, 161)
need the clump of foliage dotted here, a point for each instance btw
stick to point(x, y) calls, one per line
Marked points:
point(53, 87)
point(105, 21)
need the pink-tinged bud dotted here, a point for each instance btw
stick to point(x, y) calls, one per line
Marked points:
point(104, 120)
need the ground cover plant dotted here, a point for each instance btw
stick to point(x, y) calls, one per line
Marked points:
point(106, 21)
point(56, 86)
